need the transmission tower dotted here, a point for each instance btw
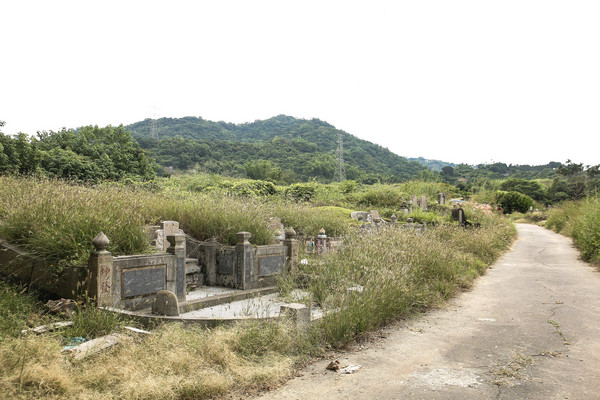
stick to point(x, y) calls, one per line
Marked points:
point(340, 173)
point(154, 128)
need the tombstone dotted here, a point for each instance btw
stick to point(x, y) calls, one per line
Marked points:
point(414, 200)
point(167, 228)
point(277, 228)
point(442, 198)
point(458, 214)
point(423, 203)
point(165, 303)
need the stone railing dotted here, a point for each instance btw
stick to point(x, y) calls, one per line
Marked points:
point(131, 282)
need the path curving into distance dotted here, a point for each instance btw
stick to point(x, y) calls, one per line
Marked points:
point(529, 329)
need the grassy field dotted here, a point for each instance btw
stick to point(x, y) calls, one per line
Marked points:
point(400, 272)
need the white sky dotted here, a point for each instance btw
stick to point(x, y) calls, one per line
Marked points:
point(460, 81)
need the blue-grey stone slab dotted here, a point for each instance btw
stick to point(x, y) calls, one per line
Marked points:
point(139, 282)
point(225, 263)
point(270, 265)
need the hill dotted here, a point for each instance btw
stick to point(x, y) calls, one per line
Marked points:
point(281, 148)
point(434, 165)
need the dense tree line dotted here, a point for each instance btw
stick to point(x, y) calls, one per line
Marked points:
point(88, 154)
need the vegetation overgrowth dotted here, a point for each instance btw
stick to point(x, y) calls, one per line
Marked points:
point(581, 221)
point(376, 278)
point(56, 220)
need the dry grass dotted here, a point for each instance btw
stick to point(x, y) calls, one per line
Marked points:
point(171, 364)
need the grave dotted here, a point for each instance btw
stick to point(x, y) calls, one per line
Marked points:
point(458, 214)
point(442, 199)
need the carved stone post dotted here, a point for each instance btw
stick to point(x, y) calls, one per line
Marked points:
point(291, 245)
point(210, 260)
point(244, 260)
point(177, 248)
point(100, 272)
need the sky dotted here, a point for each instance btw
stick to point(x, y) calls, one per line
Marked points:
point(460, 81)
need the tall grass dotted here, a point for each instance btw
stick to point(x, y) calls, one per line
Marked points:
point(581, 221)
point(56, 220)
point(399, 272)
point(18, 307)
point(586, 230)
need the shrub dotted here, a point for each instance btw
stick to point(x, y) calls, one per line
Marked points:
point(300, 191)
point(514, 201)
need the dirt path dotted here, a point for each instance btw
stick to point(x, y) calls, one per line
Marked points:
point(529, 329)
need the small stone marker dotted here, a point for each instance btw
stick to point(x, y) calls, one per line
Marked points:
point(423, 203)
point(165, 303)
point(298, 314)
point(94, 346)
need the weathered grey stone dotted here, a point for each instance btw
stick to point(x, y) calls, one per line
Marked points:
point(100, 242)
point(61, 306)
point(94, 346)
point(165, 303)
point(298, 314)
point(423, 203)
point(277, 228)
point(170, 227)
point(359, 215)
point(271, 265)
point(142, 281)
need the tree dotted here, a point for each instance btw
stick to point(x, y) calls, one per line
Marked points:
point(531, 188)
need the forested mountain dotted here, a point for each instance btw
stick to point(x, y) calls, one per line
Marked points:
point(282, 148)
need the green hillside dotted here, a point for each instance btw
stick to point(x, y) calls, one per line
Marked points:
point(282, 148)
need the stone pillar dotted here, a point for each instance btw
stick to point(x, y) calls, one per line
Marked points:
point(100, 285)
point(321, 242)
point(297, 314)
point(210, 261)
point(177, 248)
point(244, 261)
point(291, 244)
point(423, 203)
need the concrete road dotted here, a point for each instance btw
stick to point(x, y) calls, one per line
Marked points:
point(529, 329)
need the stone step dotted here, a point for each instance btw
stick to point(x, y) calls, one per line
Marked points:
point(191, 265)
